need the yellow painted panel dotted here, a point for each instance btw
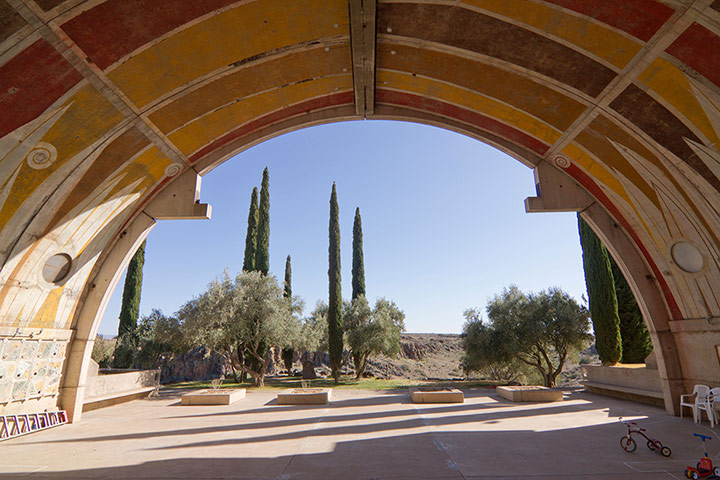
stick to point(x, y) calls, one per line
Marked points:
point(206, 129)
point(671, 84)
point(592, 37)
point(243, 32)
point(251, 80)
point(470, 100)
point(86, 121)
point(45, 317)
point(149, 167)
point(89, 117)
point(153, 163)
point(595, 170)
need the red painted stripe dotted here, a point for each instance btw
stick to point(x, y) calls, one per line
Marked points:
point(699, 48)
point(31, 82)
point(592, 187)
point(115, 28)
point(639, 18)
point(468, 116)
point(344, 98)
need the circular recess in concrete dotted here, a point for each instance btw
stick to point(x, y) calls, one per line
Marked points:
point(687, 257)
point(57, 268)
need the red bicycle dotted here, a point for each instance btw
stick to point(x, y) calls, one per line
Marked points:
point(629, 445)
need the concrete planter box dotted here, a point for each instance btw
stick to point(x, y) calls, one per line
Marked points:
point(633, 382)
point(530, 393)
point(213, 397)
point(304, 396)
point(436, 395)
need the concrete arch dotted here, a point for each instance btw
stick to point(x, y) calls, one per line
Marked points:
point(616, 104)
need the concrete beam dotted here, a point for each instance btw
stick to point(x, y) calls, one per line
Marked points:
point(180, 200)
point(363, 23)
point(556, 191)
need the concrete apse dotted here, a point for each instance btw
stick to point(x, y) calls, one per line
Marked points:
point(111, 112)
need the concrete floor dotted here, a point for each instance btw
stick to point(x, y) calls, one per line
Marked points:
point(361, 435)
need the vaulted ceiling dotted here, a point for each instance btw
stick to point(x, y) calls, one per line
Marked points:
point(104, 103)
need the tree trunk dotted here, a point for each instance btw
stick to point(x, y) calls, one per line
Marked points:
point(360, 361)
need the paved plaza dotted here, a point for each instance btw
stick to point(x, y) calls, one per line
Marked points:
point(363, 435)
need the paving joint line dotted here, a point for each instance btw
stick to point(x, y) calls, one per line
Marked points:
point(436, 441)
point(284, 475)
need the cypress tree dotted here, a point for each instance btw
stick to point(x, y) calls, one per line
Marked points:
point(129, 312)
point(358, 265)
point(636, 342)
point(251, 236)
point(335, 326)
point(287, 285)
point(262, 254)
point(601, 295)
point(287, 353)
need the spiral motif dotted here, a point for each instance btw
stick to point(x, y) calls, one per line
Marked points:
point(562, 161)
point(173, 169)
point(42, 156)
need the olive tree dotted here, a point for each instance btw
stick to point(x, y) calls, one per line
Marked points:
point(477, 341)
point(372, 331)
point(538, 329)
point(158, 336)
point(245, 313)
point(314, 330)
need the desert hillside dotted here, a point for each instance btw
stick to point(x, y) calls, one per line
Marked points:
point(425, 356)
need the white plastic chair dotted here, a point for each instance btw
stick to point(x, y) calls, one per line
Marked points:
point(715, 403)
point(698, 400)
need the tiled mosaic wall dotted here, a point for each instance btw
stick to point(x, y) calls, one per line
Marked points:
point(29, 368)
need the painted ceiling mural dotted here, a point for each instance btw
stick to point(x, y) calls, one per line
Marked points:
point(102, 103)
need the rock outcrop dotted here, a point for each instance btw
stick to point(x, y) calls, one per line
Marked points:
point(197, 365)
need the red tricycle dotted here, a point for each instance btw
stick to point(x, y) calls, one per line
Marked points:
point(628, 443)
point(704, 468)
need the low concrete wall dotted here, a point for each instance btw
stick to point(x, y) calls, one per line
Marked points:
point(109, 387)
point(633, 382)
point(107, 383)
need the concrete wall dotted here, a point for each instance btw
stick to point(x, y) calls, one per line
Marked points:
point(109, 384)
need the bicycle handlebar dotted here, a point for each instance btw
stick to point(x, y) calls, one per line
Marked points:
point(702, 437)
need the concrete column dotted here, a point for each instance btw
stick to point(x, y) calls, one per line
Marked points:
point(650, 300)
point(557, 192)
point(100, 289)
point(178, 201)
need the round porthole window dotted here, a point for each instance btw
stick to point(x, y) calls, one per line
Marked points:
point(57, 268)
point(687, 257)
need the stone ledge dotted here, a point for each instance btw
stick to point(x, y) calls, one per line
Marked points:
point(213, 397)
point(626, 393)
point(304, 396)
point(440, 395)
point(530, 393)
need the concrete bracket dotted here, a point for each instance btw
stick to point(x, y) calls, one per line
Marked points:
point(556, 191)
point(180, 200)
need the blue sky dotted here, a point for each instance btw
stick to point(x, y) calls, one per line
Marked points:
point(444, 226)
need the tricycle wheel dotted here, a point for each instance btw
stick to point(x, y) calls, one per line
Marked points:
point(666, 452)
point(694, 475)
point(651, 445)
point(628, 444)
point(716, 471)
